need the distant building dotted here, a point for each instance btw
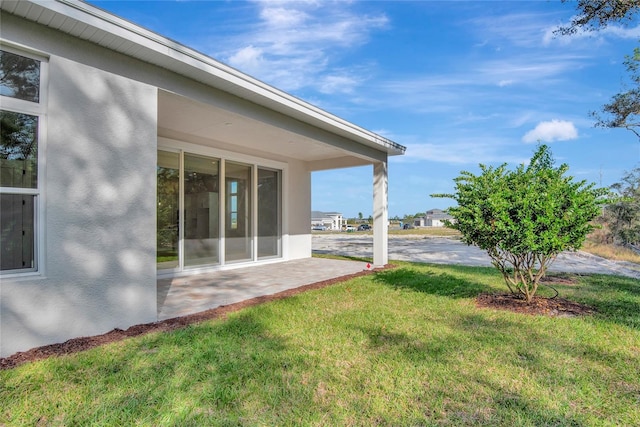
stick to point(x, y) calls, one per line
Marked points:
point(330, 220)
point(432, 218)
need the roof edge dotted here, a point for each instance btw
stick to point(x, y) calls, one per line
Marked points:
point(180, 54)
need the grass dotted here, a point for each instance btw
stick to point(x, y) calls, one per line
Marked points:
point(610, 251)
point(405, 346)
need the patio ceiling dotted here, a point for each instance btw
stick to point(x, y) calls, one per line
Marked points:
point(258, 132)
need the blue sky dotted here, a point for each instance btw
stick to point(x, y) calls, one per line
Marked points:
point(457, 83)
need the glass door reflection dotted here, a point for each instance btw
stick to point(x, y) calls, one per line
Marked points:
point(168, 199)
point(201, 210)
point(238, 212)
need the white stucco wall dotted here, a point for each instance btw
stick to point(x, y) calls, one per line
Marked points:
point(99, 194)
point(98, 270)
point(298, 232)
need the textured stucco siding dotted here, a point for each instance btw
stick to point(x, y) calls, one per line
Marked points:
point(98, 270)
point(299, 212)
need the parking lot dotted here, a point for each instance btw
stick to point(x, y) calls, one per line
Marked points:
point(442, 250)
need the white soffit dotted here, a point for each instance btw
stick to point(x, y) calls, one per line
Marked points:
point(103, 28)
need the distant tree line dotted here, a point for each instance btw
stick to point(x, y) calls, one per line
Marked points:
point(620, 220)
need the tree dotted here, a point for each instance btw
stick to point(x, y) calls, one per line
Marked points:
point(408, 219)
point(623, 214)
point(596, 14)
point(623, 111)
point(19, 76)
point(524, 218)
point(360, 215)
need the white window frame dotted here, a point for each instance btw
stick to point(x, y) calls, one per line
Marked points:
point(39, 110)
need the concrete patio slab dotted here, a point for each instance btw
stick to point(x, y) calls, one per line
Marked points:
point(191, 294)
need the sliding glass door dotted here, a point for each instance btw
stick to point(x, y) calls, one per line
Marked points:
point(238, 235)
point(168, 199)
point(197, 195)
point(201, 210)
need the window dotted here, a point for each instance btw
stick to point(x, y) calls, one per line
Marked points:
point(168, 199)
point(20, 146)
point(19, 77)
point(212, 211)
point(18, 150)
point(238, 233)
point(201, 210)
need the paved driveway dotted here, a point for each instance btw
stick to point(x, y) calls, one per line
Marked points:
point(440, 250)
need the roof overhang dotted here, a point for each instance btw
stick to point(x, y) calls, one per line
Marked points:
point(92, 24)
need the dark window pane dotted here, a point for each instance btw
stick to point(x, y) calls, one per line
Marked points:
point(168, 175)
point(17, 245)
point(18, 150)
point(238, 234)
point(19, 77)
point(201, 210)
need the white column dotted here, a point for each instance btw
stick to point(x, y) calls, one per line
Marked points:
point(380, 215)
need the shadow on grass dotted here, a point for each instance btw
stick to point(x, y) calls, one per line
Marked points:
point(224, 373)
point(615, 298)
point(392, 344)
point(433, 282)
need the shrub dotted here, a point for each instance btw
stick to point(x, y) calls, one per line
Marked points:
point(525, 217)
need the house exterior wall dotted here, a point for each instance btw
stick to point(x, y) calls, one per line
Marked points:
point(98, 231)
point(98, 271)
point(297, 237)
point(331, 220)
point(336, 221)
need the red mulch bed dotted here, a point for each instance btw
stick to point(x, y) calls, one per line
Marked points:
point(76, 345)
point(554, 307)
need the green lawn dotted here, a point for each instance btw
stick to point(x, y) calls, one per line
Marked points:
point(401, 347)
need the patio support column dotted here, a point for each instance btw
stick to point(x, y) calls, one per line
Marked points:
point(380, 215)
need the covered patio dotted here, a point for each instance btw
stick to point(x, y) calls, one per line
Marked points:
point(197, 166)
point(180, 296)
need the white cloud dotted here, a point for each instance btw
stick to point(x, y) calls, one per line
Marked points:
point(554, 130)
point(248, 57)
point(295, 44)
point(530, 68)
point(343, 83)
point(622, 32)
point(614, 31)
point(282, 17)
point(517, 29)
point(471, 150)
